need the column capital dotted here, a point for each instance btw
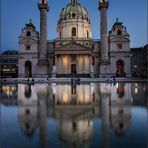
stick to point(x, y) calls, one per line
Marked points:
point(103, 4)
point(43, 6)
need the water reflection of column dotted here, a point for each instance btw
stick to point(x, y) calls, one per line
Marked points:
point(27, 108)
point(105, 118)
point(42, 97)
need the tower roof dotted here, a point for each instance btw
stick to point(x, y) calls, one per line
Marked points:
point(30, 24)
point(117, 23)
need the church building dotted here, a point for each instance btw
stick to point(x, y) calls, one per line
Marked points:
point(74, 53)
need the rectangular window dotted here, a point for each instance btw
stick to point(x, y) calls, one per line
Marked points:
point(119, 46)
point(28, 47)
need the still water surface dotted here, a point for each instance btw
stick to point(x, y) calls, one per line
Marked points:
point(82, 116)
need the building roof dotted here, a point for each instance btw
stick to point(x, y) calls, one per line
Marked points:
point(117, 23)
point(30, 24)
point(10, 52)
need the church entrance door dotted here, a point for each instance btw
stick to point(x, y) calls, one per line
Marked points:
point(120, 69)
point(28, 69)
point(73, 69)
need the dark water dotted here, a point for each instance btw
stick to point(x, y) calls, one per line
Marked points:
point(65, 116)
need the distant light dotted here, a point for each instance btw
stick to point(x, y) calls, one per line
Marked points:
point(144, 88)
point(136, 90)
point(131, 100)
point(117, 85)
point(135, 66)
point(136, 85)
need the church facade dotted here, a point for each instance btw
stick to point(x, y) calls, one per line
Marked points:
point(74, 52)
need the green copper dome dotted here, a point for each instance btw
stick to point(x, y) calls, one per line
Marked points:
point(74, 11)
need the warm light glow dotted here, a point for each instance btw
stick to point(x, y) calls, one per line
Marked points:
point(65, 94)
point(65, 60)
point(8, 90)
point(65, 98)
point(80, 94)
point(87, 94)
point(84, 94)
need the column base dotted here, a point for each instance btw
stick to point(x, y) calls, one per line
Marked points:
point(42, 71)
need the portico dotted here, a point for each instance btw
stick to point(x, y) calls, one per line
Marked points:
point(73, 60)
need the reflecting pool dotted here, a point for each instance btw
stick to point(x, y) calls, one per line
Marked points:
point(74, 116)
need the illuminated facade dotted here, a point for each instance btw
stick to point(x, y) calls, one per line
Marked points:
point(74, 52)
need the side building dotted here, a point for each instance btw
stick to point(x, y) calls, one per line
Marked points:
point(139, 61)
point(9, 64)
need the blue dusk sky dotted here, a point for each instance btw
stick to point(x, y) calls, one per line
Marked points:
point(16, 13)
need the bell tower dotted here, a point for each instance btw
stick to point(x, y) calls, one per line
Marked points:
point(42, 56)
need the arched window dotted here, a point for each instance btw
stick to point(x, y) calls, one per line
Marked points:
point(93, 60)
point(87, 34)
point(60, 34)
point(119, 32)
point(28, 69)
point(28, 47)
point(73, 31)
point(120, 90)
point(120, 69)
point(119, 45)
point(28, 33)
point(28, 91)
point(73, 15)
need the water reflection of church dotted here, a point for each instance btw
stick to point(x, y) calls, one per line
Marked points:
point(74, 108)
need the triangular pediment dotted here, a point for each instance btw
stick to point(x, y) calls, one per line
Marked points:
point(73, 111)
point(72, 46)
point(119, 39)
point(27, 40)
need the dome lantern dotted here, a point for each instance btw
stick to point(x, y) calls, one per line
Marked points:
point(74, 1)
